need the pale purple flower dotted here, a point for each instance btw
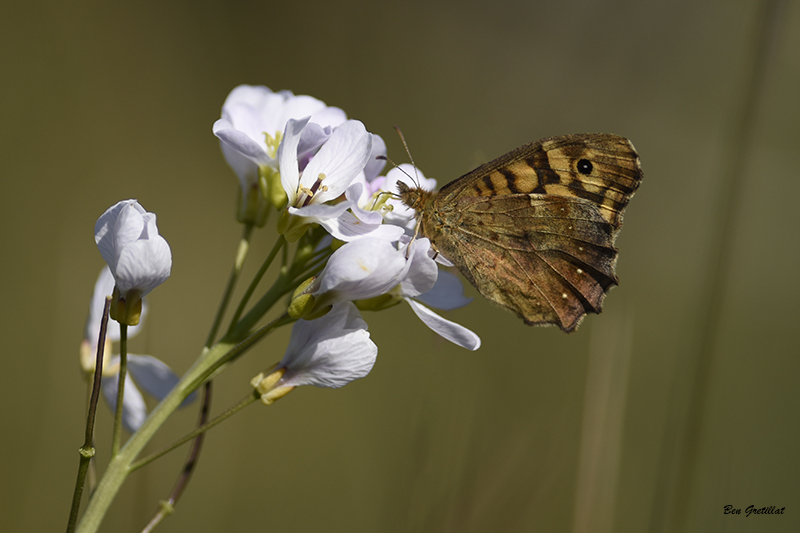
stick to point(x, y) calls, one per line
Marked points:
point(330, 351)
point(326, 177)
point(357, 222)
point(369, 267)
point(365, 213)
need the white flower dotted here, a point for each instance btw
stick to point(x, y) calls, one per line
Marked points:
point(139, 258)
point(357, 222)
point(369, 267)
point(253, 120)
point(361, 269)
point(365, 216)
point(330, 351)
point(330, 171)
point(154, 376)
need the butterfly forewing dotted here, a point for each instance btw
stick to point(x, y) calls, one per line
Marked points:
point(534, 230)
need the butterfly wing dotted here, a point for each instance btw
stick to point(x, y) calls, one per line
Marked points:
point(534, 230)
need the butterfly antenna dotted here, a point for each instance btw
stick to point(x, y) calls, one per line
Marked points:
point(395, 165)
point(410, 157)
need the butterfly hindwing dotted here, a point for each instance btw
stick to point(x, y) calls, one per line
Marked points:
point(550, 260)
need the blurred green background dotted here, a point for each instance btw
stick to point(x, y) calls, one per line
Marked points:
point(680, 398)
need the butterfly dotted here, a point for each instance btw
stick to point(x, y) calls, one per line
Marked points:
point(534, 230)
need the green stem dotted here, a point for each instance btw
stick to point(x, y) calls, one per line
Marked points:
point(204, 368)
point(123, 371)
point(286, 283)
point(247, 400)
point(241, 254)
point(87, 451)
point(168, 506)
point(253, 284)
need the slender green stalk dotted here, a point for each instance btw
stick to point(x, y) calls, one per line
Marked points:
point(168, 506)
point(253, 284)
point(247, 400)
point(241, 255)
point(118, 467)
point(312, 268)
point(123, 371)
point(87, 450)
point(204, 368)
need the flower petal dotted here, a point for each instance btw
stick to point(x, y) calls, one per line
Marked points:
point(143, 265)
point(355, 193)
point(287, 156)
point(330, 351)
point(240, 142)
point(361, 269)
point(374, 164)
point(155, 377)
point(340, 159)
point(107, 233)
point(346, 227)
point(451, 331)
point(422, 270)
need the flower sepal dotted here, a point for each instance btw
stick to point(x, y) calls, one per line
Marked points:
point(269, 180)
point(128, 309)
point(292, 227)
point(303, 301)
point(267, 387)
point(252, 208)
point(381, 302)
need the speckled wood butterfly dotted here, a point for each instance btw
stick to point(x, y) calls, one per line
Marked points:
point(534, 230)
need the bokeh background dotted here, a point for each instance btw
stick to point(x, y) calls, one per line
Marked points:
point(679, 399)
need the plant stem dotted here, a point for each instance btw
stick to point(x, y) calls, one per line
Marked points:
point(87, 450)
point(253, 284)
point(123, 371)
point(247, 400)
point(241, 254)
point(207, 365)
point(119, 466)
point(168, 506)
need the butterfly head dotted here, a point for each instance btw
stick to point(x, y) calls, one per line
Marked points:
point(414, 197)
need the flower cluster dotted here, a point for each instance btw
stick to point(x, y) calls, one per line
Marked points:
point(322, 173)
point(346, 244)
point(329, 169)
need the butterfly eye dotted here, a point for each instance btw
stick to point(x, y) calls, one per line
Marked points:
point(585, 167)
